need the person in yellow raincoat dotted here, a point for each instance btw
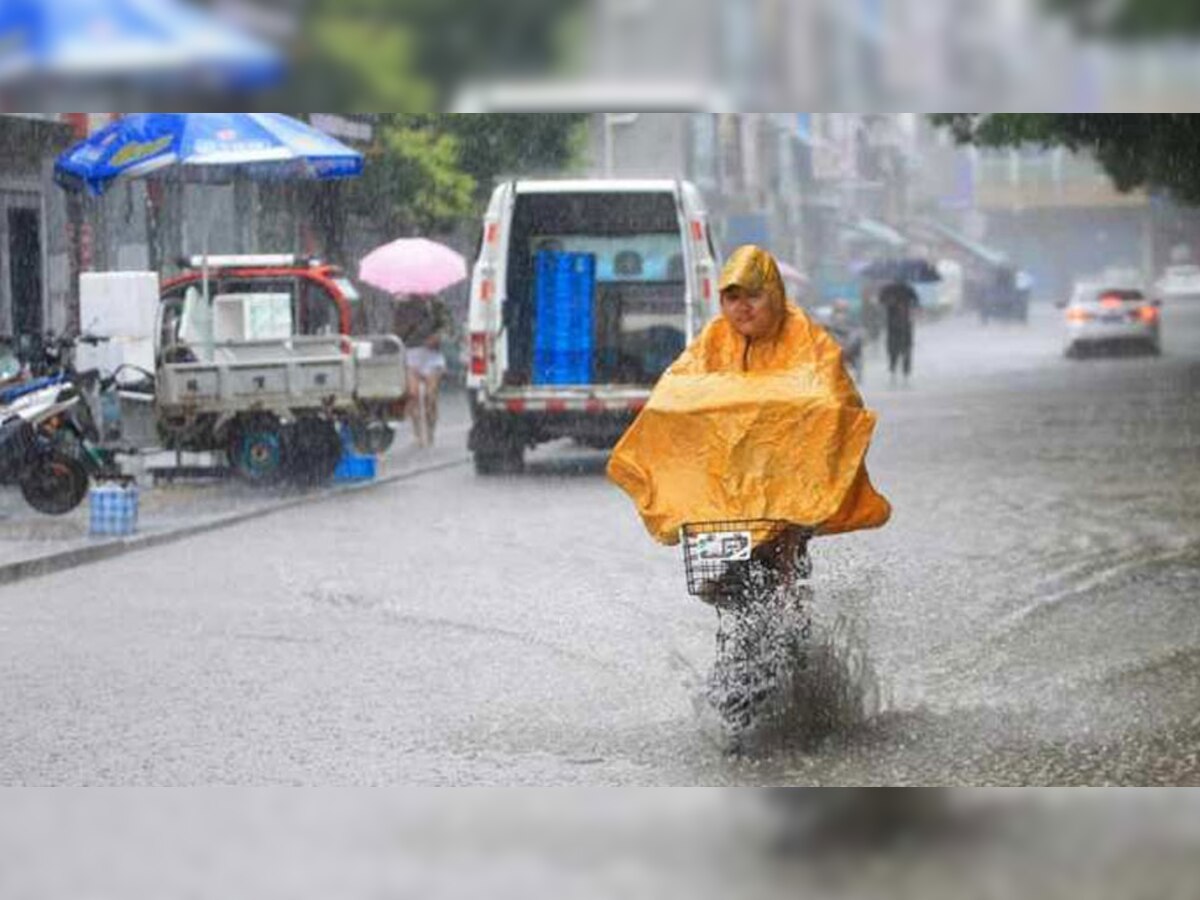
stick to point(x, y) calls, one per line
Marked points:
point(756, 420)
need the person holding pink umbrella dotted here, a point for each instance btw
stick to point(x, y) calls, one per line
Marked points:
point(414, 271)
point(422, 321)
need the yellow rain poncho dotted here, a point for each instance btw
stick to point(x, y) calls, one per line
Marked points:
point(770, 428)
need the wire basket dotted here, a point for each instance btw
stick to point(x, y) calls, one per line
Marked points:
point(724, 559)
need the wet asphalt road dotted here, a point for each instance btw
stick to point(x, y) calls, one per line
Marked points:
point(1032, 612)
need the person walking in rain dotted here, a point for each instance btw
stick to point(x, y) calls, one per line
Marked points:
point(900, 303)
point(422, 322)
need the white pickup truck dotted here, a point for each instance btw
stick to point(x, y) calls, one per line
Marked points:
point(275, 406)
point(253, 357)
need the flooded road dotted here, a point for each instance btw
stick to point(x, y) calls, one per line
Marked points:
point(1032, 612)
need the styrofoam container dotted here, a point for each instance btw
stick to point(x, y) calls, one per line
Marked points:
point(118, 304)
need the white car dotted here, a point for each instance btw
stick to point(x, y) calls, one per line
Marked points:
point(1180, 283)
point(1099, 315)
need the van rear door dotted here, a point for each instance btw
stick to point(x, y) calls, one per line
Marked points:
point(635, 242)
point(487, 353)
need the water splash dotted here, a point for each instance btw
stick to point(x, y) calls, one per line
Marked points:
point(783, 680)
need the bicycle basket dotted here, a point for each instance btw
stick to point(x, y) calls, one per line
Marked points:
point(719, 556)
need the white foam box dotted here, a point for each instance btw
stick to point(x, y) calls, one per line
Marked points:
point(252, 317)
point(118, 304)
point(115, 352)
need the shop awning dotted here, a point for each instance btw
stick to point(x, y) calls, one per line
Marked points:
point(877, 232)
point(988, 254)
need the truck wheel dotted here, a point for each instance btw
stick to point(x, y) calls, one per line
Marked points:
point(256, 450)
point(313, 450)
point(371, 437)
point(508, 461)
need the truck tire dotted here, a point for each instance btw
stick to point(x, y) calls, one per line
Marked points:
point(496, 442)
point(313, 449)
point(371, 437)
point(506, 461)
point(257, 449)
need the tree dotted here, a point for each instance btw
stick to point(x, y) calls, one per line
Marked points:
point(412, 180)
point(1152, 151)
point(364, 55)
point(427, 172)
point(496, 145)
point(1132, 18)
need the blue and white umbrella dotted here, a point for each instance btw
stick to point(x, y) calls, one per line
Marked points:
point(157, 43)
point(206, 148)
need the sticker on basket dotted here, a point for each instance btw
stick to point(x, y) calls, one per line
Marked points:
point(721, 546)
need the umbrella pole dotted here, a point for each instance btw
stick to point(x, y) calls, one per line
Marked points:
point(210, 327)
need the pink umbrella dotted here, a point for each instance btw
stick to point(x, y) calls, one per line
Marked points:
point(412, 266)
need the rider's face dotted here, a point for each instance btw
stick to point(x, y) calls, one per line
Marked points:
point(749, 313)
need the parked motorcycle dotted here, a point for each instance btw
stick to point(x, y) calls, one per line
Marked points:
point(52, 480)
point(48, 433)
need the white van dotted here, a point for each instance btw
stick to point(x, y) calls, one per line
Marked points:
point(650, 286)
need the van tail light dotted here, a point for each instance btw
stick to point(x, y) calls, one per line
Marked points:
point(478, 353)
point(697, 230)
point(1148, 314)
point(487, 289)
point(706, 288)
point(493, 232)
point(1075, 314)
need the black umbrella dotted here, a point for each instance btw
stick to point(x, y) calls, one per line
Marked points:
point(910, 271)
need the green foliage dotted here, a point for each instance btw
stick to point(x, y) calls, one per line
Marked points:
point(427, 171)
point(465, 40)
point(496, 145)
point(1133, 18)
point(1153, 151)
point(366, 55)
point(353, 57)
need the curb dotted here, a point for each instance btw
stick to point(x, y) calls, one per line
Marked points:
point(50, 563)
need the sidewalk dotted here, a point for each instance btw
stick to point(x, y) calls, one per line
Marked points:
point(33, 544)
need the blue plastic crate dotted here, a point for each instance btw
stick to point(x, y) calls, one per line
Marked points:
point(570, 367)
point(113, 508)
point(564, 297)
point(353, 467)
